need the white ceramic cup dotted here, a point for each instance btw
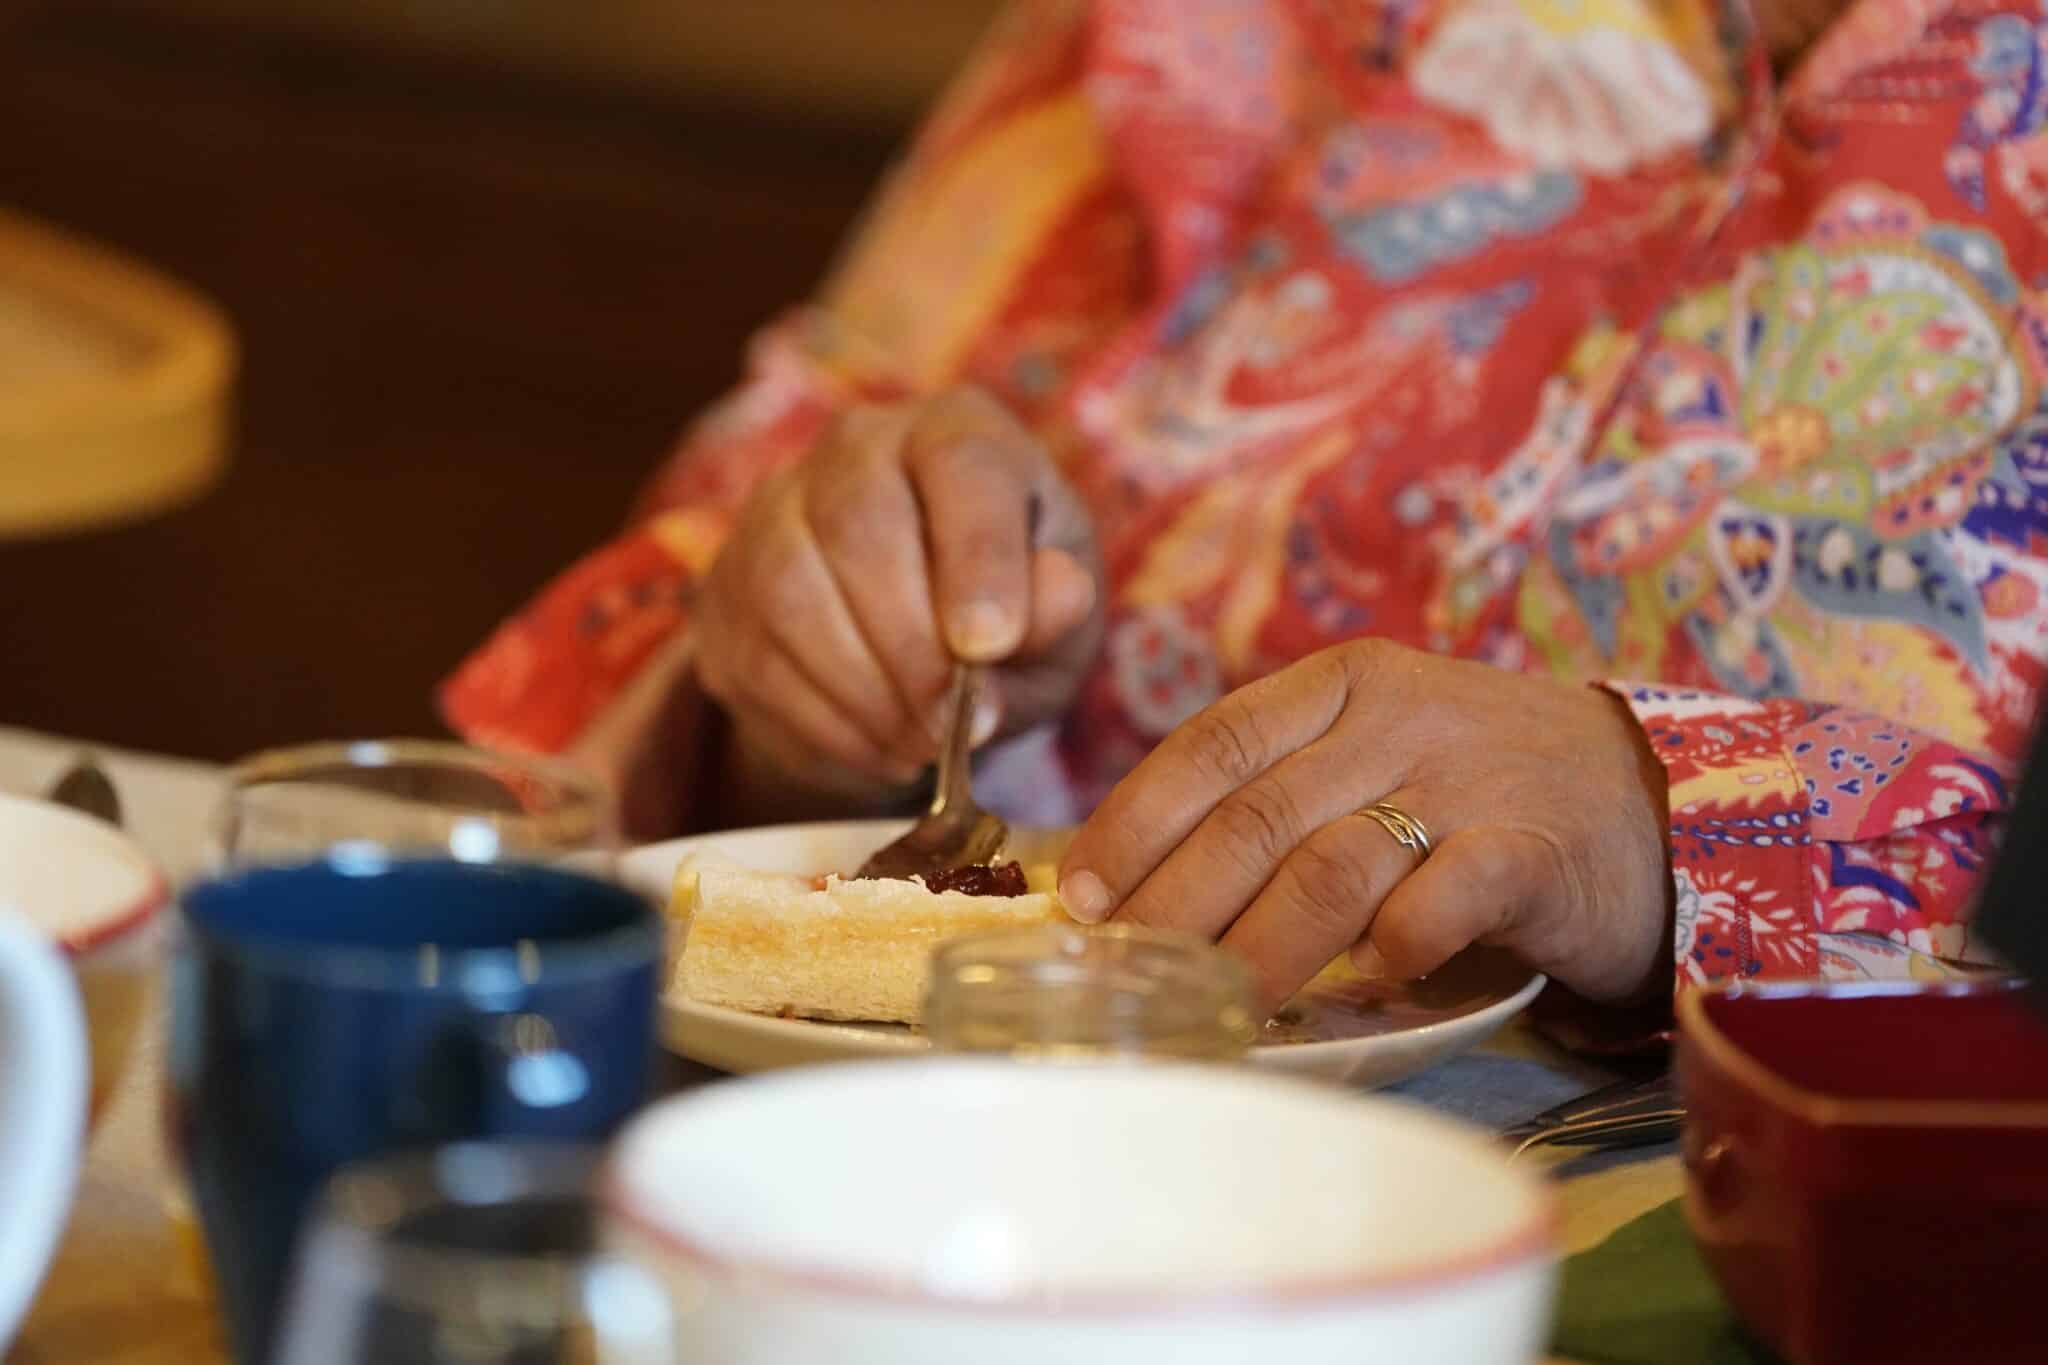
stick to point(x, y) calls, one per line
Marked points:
point(933, 1211)
point(45, 1071)
point(94, 893)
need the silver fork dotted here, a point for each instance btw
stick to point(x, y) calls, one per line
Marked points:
point(954, 832)
point(1627, 1114)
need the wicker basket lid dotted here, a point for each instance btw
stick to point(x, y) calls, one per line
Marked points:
point(113, 385)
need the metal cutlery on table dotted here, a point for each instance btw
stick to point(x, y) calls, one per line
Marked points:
point(1637, 1113)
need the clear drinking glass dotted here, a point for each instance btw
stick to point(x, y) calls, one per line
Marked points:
point(1059, 993)
point(482, 1253)
point(411, 798)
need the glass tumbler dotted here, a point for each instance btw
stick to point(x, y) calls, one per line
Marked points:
point(480, 1253)
point(413, 799)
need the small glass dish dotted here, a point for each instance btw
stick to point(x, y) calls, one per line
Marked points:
point(1062, 993)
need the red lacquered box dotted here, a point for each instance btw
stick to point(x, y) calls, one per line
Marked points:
point(1867, 1167)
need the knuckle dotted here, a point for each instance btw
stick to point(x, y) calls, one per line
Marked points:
point(782, 595)
point(968, 405)
point(1400, 938)
point(1259, 824)
point(1546, 861)
point(914, 658)
point(1120, 829)
point(1491, 874)
point(920, 669)
point(1361, 663)
point(1491, 863)
point(966, 428)
point(1328, 883)
point(982, 552)
point(970, 455)
point(1224, 741)
point(846, 516)
point(1105, 844)
point(857, 433)
point(777, 585)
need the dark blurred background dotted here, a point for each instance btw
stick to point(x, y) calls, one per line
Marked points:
point(483, 258)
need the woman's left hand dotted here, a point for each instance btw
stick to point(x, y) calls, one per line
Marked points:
point(1544, 803)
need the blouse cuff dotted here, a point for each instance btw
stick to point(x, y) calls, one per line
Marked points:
point(1740, 830)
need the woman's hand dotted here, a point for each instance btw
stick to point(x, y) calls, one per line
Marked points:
point(1545, 804)
point(913, 535)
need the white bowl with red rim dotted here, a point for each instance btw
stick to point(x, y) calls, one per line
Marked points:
point(928, 1212)
point(100, 898)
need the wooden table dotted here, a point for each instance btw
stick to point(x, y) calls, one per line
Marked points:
point(122, 1291)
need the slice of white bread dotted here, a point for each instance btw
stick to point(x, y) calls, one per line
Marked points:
point(772, 943)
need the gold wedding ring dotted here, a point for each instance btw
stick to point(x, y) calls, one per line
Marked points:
point(1409, 832)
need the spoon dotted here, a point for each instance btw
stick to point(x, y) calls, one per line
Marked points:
point(954, 831)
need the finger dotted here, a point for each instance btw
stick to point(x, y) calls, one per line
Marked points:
point(1062, 597)
point(974, 469)
point(1215, 873)
point(765, 749)
point(1065, 633)
point(866, 521)
point(800, 609)
point(1471, 890)
point(761, 681)
point(1162, 800)
point(1317, 905)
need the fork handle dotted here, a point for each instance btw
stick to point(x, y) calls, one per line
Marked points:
point(956, 768)
point(1627, 1113)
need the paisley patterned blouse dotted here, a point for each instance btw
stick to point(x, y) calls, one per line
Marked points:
point(1546, 332)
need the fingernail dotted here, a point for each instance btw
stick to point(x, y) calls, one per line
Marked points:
point(1069, 590)
point(1085, 897)
point(981, 630)
point(987, 716)
point(1369, 961)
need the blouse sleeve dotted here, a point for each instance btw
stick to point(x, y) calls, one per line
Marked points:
point(1815, 840)
point(922, 287)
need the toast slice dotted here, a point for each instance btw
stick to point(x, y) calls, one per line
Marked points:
point(826, 948)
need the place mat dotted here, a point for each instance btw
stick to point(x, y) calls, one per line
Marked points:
point(1644, 1297)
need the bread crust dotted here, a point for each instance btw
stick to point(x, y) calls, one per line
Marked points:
point(771, 943)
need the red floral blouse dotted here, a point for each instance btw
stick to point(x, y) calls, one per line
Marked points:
point(1544, 332)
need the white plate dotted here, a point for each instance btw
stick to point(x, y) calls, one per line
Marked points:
point(1341, 1027)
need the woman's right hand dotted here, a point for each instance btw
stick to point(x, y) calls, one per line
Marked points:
point(913, 535)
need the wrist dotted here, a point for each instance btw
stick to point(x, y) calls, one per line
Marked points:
point(1647, 849)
